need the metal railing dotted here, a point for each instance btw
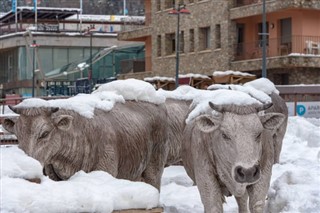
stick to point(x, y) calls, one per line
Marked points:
point(300, 45)
point(240, 3)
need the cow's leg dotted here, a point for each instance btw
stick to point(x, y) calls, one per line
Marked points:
point(108, 161)
point(243, 203)
point(153, 172)
point(209, 189)
point(258, 191)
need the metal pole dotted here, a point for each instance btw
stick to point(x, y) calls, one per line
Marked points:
point(264, 40)
point(33, 67)
point(90, 68)
point(81, 4)
point(124, 7)
point(177, 49)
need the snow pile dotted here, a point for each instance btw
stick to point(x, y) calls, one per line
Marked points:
point(295, 182)
point(16, 164)
point(183, 92)
point(83, 192)
point(262, 84)
point(133, 89)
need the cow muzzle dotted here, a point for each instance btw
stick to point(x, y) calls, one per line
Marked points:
point(247, 175)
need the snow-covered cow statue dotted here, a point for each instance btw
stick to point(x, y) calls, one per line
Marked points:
point(127, 140)
point(229, 150)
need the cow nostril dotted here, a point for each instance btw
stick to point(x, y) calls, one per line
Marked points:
point(240, 172)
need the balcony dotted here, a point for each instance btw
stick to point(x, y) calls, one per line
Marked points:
point(240, 3)
point(135, 30)
point(283, 46)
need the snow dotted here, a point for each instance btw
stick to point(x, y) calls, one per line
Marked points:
point(133, 89)
point(84, 104)
point(295, 183)
point(230, 72)
point(103, 98)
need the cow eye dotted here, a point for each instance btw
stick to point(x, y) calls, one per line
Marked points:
point(258, 137)
point(226, 137)
point(44, 135)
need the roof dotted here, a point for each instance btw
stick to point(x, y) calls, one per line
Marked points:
point(43, 13)
point(299, 89)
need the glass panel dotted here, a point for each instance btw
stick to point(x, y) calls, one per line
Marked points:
point(46, 58)
point(60, 57)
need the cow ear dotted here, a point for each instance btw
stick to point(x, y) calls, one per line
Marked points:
point(207, 123)
point(272, 121)
point(8, 124)
point(63, 122)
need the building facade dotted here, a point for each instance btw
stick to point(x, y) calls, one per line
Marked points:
point(30, 51)
point(226, 35)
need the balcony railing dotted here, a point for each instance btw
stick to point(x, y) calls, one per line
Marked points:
point(300, 45)
point(131, 24)
point(240, 3)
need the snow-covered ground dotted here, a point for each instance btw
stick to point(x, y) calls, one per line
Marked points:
point(295, 183)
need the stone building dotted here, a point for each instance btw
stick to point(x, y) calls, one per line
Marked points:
point(226, 35)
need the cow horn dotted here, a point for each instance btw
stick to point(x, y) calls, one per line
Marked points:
point(264, 107)
point(54, 109)
point(215, 107)
point(15, 110)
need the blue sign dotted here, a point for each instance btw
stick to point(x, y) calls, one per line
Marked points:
point(301, 110)
point(35, 5)
point(14, 6)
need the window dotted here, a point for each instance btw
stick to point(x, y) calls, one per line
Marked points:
point(170, 43)
point(158, 5)
point(181, 41)
point(260, 36)
point(218, 36)
point(191, 40)
point(159, 45)
point(169, 4)
point(204, 38)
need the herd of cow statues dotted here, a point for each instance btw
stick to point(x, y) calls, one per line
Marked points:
point(227, 138)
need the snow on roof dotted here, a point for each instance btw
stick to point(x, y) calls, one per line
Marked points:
point(230, 72)
point(158, 78)
point(133, 89)
point(115, 18)
point(96, 191)
point(193, 75)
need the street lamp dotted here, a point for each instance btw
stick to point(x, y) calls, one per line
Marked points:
point(33, 46)
point(90, 32)
point(264, 40)
point(181, 9)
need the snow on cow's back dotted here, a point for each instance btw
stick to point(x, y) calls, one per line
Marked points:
point(103, 98)
point(133, 89)
point(84, 104)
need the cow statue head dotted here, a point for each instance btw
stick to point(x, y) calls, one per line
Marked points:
point(40, 132)
point(234, 139)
